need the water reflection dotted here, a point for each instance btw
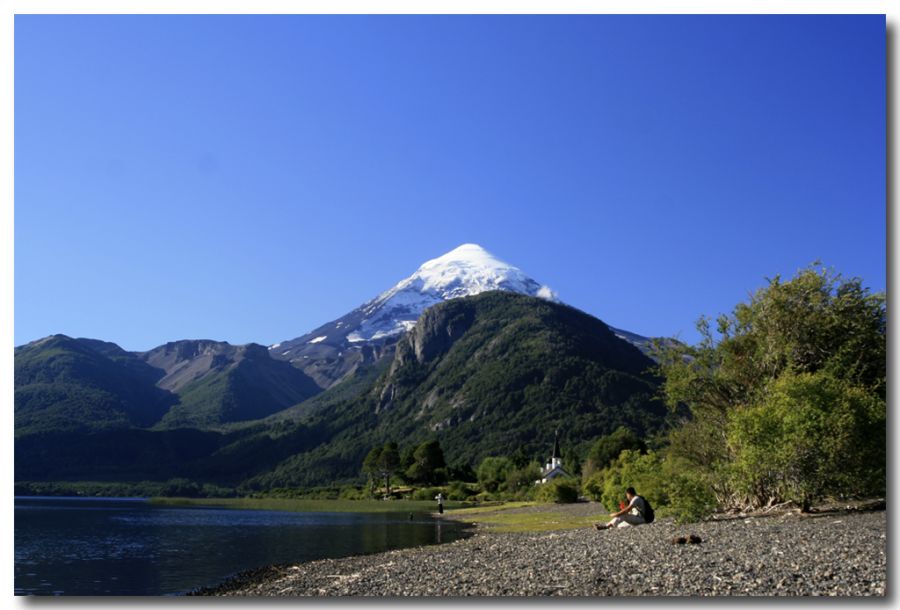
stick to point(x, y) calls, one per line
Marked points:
point(124, 548)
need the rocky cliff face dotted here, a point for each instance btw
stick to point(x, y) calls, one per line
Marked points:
point(190, 360)
point(437, 330)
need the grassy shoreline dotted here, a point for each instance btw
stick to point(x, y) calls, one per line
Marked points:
point(522, 517)
point(310, 505)
point(500, 517)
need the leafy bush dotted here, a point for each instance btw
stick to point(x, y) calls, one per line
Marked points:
point(493, 473)
point(813, 436)
point(181, 488)
point(592, 485)
point(462, 471)
point(458, 490)
point(560, 490)
point(607, 448)
point(670, 484)
point(520, 482)
point(352, 492)
point(631, 469)
point(425, 493)
point(689, 492)
point(427, 464)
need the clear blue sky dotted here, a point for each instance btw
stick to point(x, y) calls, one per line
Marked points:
point(247, 178)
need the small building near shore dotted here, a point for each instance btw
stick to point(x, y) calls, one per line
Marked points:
point(553, 468)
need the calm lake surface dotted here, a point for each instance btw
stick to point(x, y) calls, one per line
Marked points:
point(114, 546)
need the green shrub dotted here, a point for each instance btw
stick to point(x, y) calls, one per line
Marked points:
point(607, 448)
point(559, 491)
point(426, 493)
point(592, 486)
point(690, 493)
point(486, 496)
point(180, 488)
point(493, 472)
point(520, 482)
point(457, 490)
point(787, 396)
point(631, 469)
point(352, 492)
point(813, 436)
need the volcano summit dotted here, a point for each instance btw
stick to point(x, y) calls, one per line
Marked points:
point(333, 350)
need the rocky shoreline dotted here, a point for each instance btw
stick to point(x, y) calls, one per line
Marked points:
point(830, 553)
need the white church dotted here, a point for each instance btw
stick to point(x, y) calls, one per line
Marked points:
point(553, 468)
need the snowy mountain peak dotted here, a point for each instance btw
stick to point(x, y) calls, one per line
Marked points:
point(466, 254)
point(464, 271)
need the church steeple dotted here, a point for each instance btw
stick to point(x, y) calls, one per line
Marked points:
point(554, 466)
point(556, 458)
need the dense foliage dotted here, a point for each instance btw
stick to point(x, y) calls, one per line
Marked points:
point(787, 397)
point(558, 491)
point(607, 448)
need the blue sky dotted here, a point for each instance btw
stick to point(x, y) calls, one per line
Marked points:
point(247, 178)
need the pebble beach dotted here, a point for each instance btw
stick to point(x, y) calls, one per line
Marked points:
point(831, 554)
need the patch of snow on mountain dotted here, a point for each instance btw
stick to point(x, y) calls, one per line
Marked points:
point(318, 339)
point(276, 346)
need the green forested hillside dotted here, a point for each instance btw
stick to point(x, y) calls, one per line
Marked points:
point(487, 375)
point(65, 384)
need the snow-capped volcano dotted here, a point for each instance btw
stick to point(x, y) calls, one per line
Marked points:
point(335, 348)
point(464, 271)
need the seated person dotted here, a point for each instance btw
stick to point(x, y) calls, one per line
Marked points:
point(633, 514)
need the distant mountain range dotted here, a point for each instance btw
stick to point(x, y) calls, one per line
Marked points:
point(467, 349)
point(83, 384)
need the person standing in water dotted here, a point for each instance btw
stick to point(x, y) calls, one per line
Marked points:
point(440, 501)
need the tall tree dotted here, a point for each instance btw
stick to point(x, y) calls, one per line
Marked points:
point(427, 463)
point(372, 468)
point(388, 463)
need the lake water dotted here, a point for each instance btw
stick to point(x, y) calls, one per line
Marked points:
point(110, 546)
